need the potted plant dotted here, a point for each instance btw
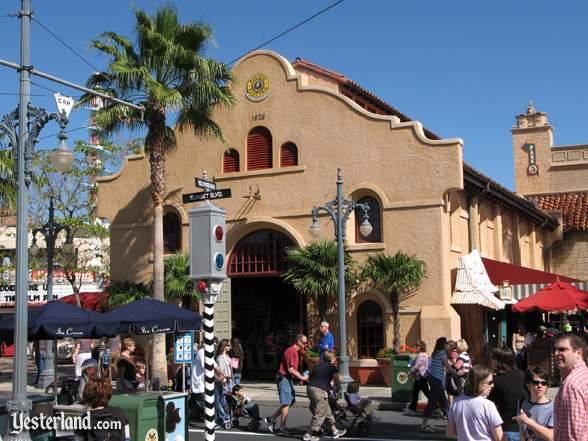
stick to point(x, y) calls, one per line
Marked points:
point(312, 358)
point(384, 357)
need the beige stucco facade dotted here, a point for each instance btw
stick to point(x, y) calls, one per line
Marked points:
point(417, 181)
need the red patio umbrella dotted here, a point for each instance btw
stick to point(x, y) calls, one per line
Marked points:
point(559, 296)
point(89, 300)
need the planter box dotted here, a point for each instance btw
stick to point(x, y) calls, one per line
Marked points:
point(366, 374)
point(385, 367)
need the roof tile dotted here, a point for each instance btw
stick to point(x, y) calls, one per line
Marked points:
point(574, 208)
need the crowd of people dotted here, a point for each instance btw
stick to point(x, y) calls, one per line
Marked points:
point(499, 401)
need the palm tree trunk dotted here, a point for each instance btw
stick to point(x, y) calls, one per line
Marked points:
point(157, 165)
point(395, 304)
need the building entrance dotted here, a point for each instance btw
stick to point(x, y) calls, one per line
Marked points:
point(266, 312)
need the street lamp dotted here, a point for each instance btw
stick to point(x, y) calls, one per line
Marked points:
point(340, 209)
point(50, 231)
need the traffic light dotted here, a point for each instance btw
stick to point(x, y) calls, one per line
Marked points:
point(207, 243)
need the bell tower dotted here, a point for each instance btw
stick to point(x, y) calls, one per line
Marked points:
point(532, 139)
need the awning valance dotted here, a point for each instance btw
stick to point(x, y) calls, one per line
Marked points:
point(472, 285)
point(525, 281)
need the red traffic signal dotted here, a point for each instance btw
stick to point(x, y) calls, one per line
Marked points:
point(219, 233)
point(202, 286)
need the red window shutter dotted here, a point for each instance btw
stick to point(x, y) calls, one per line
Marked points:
point(288, 155)
point(231, 161)
point(259, 149)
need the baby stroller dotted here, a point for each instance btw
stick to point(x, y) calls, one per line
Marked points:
point(337, 411)
point(358, 417)
point(236, 411)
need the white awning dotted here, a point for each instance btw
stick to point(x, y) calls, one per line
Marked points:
point(522, 291)
point(473, 286)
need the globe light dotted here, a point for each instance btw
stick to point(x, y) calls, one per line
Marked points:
point(314, 229)
point(34, 249)
point(365, 228)
point(62, 157)
point(68, 248)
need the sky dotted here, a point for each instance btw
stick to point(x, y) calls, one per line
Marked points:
point(462, 68)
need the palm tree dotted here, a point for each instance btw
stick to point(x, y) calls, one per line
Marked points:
point(398, 276)
point(178, 286)
point(165, 72)
point(312, 271)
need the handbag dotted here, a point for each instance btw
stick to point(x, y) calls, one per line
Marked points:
point(451, 386)
point(234, 363)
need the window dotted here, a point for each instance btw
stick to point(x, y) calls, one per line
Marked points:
point(260, 253)
point(288, 155)
point(259, 149)
point(374, 219)
point(370, 329)
point(231, 161)
point(172, 233)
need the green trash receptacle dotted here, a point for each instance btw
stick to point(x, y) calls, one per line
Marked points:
point(144, 412)
point(401, 381)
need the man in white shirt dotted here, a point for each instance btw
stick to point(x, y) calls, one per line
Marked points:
point(196, 404)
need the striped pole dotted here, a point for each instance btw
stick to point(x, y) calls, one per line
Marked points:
point(209, 414)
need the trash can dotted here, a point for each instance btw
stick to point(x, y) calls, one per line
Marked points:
point(144, 412)
point(401, 381)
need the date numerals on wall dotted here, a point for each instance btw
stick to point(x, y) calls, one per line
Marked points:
point(258, 117)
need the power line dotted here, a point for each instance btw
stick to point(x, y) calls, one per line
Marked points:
point(290, 29)
point(67, 131)
point(43, 87)
point(66, 45)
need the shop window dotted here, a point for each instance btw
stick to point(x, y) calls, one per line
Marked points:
point(231, 161)
point(262, 253)
point(374, 218)
point(288, 155)
point(370, 329)
point(172, 233)
point(259, 149)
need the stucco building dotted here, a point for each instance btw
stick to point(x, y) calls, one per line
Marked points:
point(292, 126)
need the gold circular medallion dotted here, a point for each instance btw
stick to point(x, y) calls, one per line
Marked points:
point(257, 87)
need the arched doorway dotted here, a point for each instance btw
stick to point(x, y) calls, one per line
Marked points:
point(266, 312)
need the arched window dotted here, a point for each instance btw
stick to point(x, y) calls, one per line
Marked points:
point(370, 329)
point(259, 149)
point(374, 218)
point(172, 233)
point(231, 161)
point(288, 155)
point(260, 253)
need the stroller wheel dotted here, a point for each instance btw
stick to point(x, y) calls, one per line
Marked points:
point(228, 425)
point(253, 425)
point(363, 428)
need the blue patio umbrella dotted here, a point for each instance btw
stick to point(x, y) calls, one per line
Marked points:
point(149, 316)
point(55, 320)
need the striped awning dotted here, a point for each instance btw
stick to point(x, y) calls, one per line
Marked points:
point(522, 291)
point(473, 286)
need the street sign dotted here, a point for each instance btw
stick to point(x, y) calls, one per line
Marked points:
point(64, 103)
point(205, 185)
point(206, 195)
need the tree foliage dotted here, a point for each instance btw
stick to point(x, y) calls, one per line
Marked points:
point(398, 276)
point(312, 271)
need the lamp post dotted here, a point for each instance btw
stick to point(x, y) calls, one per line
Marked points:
point(340, 209)
point(50, 231)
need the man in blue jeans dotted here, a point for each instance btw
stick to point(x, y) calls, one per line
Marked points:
point(327, 341)
point(287, 371)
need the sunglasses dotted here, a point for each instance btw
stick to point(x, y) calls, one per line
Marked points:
point(561, 349)
point(489, 383)
point(539, 382)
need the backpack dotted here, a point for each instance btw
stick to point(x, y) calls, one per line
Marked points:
point(98, 418)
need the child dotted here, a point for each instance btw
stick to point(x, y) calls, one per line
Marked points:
point(536, 414)
point(140, 375)
point(356, 400)
point(248, 405)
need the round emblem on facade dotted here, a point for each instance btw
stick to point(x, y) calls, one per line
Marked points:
point(402, 377)
point(151, 435)
point(533, 169)
point(257, 87)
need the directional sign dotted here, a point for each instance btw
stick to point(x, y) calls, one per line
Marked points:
point(64, 103)
point(205, 185)
point(206, 195)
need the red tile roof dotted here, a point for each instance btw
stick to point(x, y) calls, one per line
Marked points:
point(574, 207)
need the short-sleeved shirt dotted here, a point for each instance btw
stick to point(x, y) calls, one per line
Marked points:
point(327, 343)
point(289, 359)
point(322, 375)
point(571, 406)
point(541, 413)
point(437, 368)
point(85, 345)
point(474, 418)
